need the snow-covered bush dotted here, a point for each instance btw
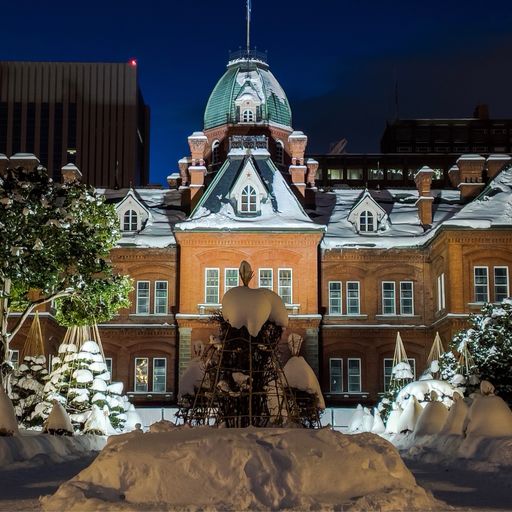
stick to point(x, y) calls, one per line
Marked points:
point(26, 390)
point(488, 342)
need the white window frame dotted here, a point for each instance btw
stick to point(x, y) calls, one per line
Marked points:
point(403, 299)
point(441, 297)
point(339, 299)
point(206, 286)
point(226, 270)
point(249, 202)
point(135, 375)
point(475, 285)
point(271, 287)
point(248, 115)
point(130, 217)
point(111, 369)
point(15, 360)
point(348, 298)
point(154, 375)
point(359, 387)
point(331, 359)
point(366, 215)
point(280, 287)
point(393, 300)
point(506, 285)
point(157, 298)
point(138, 309)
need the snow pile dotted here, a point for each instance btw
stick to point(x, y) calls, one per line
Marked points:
point(58, 421)
point(301, 376)
point(422, 390)
point(37, 448)
point(191, 379)
point(244, 469)
point(432, 419)
point(251, 308)
point(8, 422)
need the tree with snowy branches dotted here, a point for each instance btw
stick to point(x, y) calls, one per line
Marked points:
point(56, 238)
point(484, 351)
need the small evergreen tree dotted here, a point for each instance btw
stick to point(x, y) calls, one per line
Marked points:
point(484, 351)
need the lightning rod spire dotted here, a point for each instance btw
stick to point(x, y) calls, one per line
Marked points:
point(248, 7)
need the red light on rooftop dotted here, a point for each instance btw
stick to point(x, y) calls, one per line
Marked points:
point(133, 62)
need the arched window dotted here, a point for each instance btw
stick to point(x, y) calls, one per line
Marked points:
point(215, 152)
point(279, 152)
point(366, 221)
point(247, 116)
point(130, 220)
point(248, 200)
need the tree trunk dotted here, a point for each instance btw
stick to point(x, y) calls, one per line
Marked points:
point(5, 367)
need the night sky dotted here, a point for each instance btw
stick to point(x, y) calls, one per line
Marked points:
point(337, 60)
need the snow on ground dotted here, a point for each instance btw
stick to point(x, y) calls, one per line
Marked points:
point(33, 448)
point(241, 469)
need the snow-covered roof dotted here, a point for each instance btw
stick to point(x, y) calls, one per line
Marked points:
point(163, 206)
point(281, 210)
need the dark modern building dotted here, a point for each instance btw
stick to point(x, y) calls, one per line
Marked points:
point(478, 134)
point(91, 114)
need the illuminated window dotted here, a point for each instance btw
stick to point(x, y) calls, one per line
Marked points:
point(141, 374)
point(130, 220)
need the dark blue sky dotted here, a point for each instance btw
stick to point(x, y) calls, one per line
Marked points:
point(337, 60)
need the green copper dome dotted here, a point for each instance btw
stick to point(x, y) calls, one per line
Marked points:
point(251, 75)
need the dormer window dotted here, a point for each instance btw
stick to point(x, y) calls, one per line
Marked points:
point(248, 200)
point(248, 116)
point(366, 222)
point(130, 220)
point(215, 152)
point(279, 153)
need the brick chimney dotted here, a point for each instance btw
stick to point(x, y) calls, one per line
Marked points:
point(454, 175)
point(423, 180)
point(197, 171)
point(297, 142)
point(70, 173)
point(495, 164)
point(471, 169)
point(311, 189)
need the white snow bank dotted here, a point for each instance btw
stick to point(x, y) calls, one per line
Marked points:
point(300, 375)
point(244, 469)
point(33, 449)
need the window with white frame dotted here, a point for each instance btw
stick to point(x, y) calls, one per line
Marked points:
point(161, 297)
point(406, 298)
point(353, 298)
point(130, 220)
point(501, 286)
point(15, 359)
point(388, 370)
point(366, 222)
point(335, 375)
point(159, 374)
point(108, 362)
point(354, 375)
point(230, 278)
point(265, 278)
point(481, 282)
point(285, 284)
point(248, 200)
point(143, 297)
point(334, 297)
point(388, 298)
point(248, 116)
point(441, 297)
point(211, 286)
point(141, 375)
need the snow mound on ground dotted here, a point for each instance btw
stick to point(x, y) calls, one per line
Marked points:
point(32, 449)
point(252, 307)
point(432, 419)
point(455, 422)
point(8, 421)
point(58, 420)
point(489, 416)
point(300, 375)
point(244, 469)
point(410, 415)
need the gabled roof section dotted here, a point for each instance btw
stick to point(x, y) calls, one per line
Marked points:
point(280, 210)
point(132, 199)
point(366, 203)
point(248, 176)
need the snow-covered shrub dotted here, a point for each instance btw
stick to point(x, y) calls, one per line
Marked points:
point(8, 423)
point(489, 343)
point(26, 390)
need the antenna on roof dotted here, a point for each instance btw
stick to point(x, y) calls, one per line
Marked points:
point(248, 7)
